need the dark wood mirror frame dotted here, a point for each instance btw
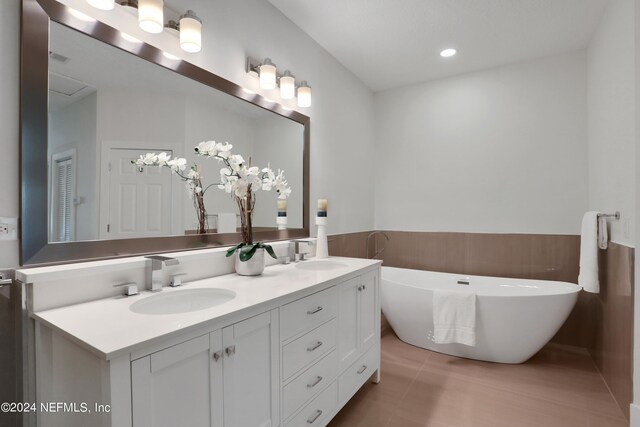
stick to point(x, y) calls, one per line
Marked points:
point(35, 248)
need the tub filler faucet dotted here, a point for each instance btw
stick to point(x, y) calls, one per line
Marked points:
point(157, 264)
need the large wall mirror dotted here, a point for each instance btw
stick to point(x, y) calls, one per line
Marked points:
point(93, 102)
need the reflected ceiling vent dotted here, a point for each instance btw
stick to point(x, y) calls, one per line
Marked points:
point(59, 58)
point(64, 85)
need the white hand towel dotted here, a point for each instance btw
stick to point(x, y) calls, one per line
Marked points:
point(603, 235)
point(454, 317)
point(226, 222)
point(588, 277)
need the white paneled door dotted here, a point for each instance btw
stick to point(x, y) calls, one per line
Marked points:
point(139, 197)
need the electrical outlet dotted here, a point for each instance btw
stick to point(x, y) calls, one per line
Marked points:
point(8, 228)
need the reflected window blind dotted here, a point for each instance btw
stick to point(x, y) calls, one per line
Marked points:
point(63, 199)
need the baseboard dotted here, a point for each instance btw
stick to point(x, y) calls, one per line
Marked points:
point(635, 415)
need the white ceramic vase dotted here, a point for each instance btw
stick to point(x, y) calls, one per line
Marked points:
point(252, 267)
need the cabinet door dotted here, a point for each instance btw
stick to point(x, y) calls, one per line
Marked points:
point(368, 310)
point(173, 387)
point(348, 322)
point(251, 372)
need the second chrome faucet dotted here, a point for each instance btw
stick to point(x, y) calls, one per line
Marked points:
point(157, 267)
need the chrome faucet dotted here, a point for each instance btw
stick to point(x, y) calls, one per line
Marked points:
point(366, 245)
point(295, 254)
point(157, 263)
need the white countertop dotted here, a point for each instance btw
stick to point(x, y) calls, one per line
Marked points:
point(108, 328)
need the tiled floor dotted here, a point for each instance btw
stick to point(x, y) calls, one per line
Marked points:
point(557, 387)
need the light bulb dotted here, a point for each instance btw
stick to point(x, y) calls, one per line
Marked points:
point(304, 95)
point(102, 4)
point(190, 32)
point(287, 86)
point(151, 15)
point(268, 75)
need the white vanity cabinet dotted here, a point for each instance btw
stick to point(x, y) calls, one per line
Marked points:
point(290, 360)
point(177, 386)
point(358, 317)
point(212, 380)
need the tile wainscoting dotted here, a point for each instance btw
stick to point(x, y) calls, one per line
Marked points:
point(600, 323)
point(612, 349)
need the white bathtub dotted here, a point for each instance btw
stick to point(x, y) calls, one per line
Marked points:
point(514, 317)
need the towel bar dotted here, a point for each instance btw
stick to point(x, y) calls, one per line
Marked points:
point(615, 216)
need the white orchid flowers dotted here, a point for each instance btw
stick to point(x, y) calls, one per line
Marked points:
point(214, 149)
point(238, 178)
point(163, 159)
point(178, 165)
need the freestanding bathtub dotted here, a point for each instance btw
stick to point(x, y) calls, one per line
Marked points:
point(514, 317)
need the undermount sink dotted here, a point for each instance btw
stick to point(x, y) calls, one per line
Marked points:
point(182, 301)
point(320, 265)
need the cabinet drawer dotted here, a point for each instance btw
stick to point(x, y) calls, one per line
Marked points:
point(355, 375)
point(317, 412)
point(310, 382)
point(308, 348)
point(308, 312)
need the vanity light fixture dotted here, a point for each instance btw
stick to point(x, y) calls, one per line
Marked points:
point(151, 15)
point(81, 16)
point(172, 27)
point(269, 78)
point(190, 32)
point(267, 74)
point(170, 56)
point(304, 94)
point(130, 38)
point(287, 85)
point(447, 53)
point(102, 4)
point(129, 5)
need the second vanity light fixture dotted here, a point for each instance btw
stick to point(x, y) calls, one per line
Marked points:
point(269, 77)
point(151, 20)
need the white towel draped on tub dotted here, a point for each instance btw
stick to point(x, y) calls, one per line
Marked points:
point(588, 277)
point(454, 317)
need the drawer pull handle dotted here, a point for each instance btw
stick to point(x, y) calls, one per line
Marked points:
point(310, 312)
point(361, 370)
point(230, 350)
point(314, 417)
point(315, 383)
point(217, 355)
point(318, 344)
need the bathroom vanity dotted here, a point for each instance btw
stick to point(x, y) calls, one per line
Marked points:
point(288, 348)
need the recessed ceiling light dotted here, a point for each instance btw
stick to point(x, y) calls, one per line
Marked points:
point(447, 53)
point(249, 91)
point(81, 16)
